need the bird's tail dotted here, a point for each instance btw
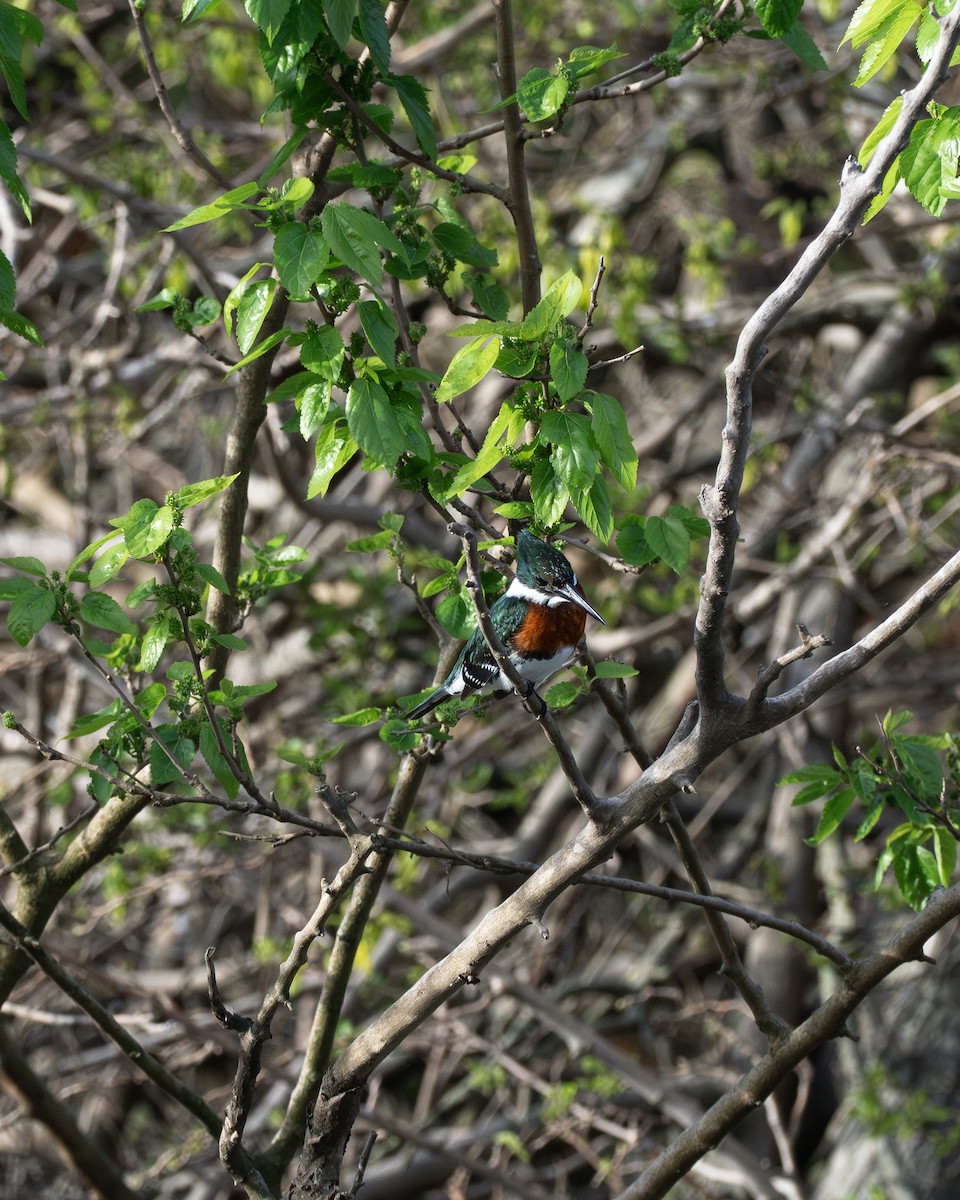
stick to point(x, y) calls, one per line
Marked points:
point(428, 705)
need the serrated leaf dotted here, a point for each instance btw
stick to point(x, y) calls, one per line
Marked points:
point(593, 505)
point(576, 456)
point(608, 669)
point(777, 16)
point(373, 28)
point(586, 60)
point(181, 748)
point(460, 243)
point(313, 404)
point(267, 344)
point(213, 756)
point(227, 203)
point(467, 367)
point(340, 14)
point(374, 422)
point(145, 527)
point(334, 449)
point(797, 39)
point(613, 439)
point(886, 39)
point(253, 307)
point(97, 608)
point(489, 455)
point(107, 566)
point(159, 633)
point(568, 368)
point(323, 352)
point(25, 563)
point(457, 616)
point(670, 541)
point(562, 694)
point(929, 164)
point(93, 722)
point(268, 15)
point(413, 98)
point(29, 612)
point(549, 493)
point(834, 810)
point(301, 255)
point(633, 546)
point(356, 237)
point(541, 93)
point(363, 716)
point(945, 852)
point(381, 329)
point(209, 574)
point(21, 326)
point(196, 493)
point(373, 541)
point(561, 298)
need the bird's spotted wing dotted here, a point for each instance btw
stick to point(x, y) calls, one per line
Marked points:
point(479, 673)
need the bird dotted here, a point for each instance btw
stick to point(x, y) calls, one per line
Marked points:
point(540, 620)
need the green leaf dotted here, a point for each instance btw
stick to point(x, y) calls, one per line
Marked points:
point(797, 39)
point(561, 298)
point(205, 311)
point(374, 422)
point(107, 566)
point(374, 541)
point(373, 29)
point(457, 616)
point(97, 608)
point(576, 457)
point(160, 632)
point(212, 576)
point(693, 523)
point(593, 505)
point(549, 493)
point(323, 352)
point(670, 541)
point(489, 455)
point(334, 449)
point(268, 15)
point(213, 756)
point(29, 612)
point(541, 93)
point(182, 748)
point(835, 809)
point(21, 326)
point(227, 203)
point(301, 255)
point(413, 97)
point(562, 694)
point(8, 173)
point(883, 33)
point(568, 368)
point(251, 311)
point(363, 716)
point(236, 294)
point(928, 165)
point(587, 60)
point(460, 243)
point(313, 404)
point(945, 852)
point(380, 327)
point(268, 343)
point(340, 14)
point(916, 873)
point(613, 439)
point(777, 16)
point(487, 294)
point(93, 722)
point(11, 588)
point(25, 563)
point(153, 695)
point(356, 237)
point(145, 527)
point(467, 367)
point(633, 545)
point(196, 493)
point(615, 670)
point(398, 735)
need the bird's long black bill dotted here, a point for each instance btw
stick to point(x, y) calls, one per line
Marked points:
point(573, 593)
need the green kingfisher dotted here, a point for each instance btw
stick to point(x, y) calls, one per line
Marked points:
point(540, 619)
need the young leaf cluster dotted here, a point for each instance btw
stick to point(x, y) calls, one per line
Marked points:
point(911, 779)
